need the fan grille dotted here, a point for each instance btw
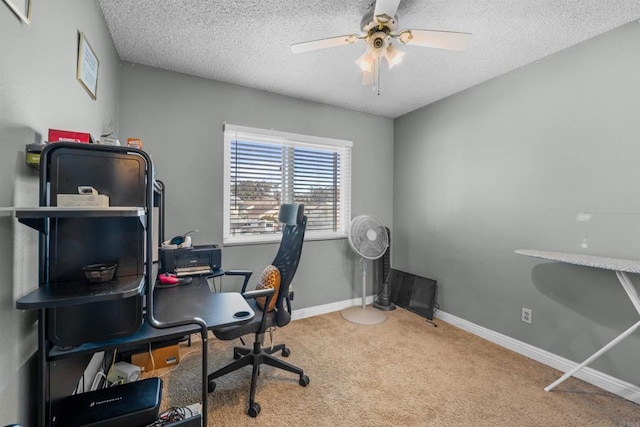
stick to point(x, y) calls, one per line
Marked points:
point(368, 237)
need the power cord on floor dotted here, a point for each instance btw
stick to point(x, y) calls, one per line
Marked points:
point(153, 362)
point(436, 307)
point(173, 415)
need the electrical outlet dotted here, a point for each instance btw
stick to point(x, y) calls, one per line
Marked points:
point(527, 315)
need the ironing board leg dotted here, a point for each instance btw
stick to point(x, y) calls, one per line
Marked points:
point(635, 300)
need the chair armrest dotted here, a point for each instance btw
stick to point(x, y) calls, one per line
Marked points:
point(238, 272)
point(258, 293)
point(246, 273)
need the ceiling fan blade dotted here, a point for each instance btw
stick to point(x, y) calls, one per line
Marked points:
point(386, 7)
point(439, 39)
point(323, 43)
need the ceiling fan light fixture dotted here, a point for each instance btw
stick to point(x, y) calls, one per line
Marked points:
point(378, 40)
point(393, 56)
point(378, 27)
point(379, 53)
point(365, 62)
point(368, 77)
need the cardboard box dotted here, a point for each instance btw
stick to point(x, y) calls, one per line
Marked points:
point(83, 200)
point(58, 135)
point(134, 142)
point(162, 358)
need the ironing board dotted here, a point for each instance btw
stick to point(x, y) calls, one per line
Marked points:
point(621, 267)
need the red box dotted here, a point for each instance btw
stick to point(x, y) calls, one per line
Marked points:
point(57, 135)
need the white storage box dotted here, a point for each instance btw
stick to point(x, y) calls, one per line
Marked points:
point(83, 200)
point(86, 197)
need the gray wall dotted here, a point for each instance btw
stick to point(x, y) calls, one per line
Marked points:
point(38, 91)
point(511, 164)
point(180, 119)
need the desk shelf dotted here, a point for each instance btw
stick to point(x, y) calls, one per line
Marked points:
point(81, 292)
point(144, 335)
point(36, 217)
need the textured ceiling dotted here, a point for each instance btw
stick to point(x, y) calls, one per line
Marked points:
point(246, 42)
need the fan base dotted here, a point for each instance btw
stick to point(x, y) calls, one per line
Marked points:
point(388, 307)
point(363, 316)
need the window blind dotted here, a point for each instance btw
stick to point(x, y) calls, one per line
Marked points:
point(264, 170)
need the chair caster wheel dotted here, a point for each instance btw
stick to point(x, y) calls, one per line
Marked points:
point(254, 410)
point(236, 355)
point(304, 380)
point(286, 352)
point(211, 386)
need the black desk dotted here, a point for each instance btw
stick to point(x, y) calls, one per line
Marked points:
point(176, 305)
point(185, 302)
point(171, 305)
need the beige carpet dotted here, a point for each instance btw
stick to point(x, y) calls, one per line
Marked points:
point(403, 372)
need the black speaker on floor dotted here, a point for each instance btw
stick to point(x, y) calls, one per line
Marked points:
point(413, 292)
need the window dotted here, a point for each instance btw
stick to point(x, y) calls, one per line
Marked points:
point(264, 168)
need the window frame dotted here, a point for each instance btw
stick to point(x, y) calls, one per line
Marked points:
point(344, 147)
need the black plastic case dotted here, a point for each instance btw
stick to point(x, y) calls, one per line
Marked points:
point(133, 404)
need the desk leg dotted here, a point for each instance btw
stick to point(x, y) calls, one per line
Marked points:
point(204, 333)
point(635, 299)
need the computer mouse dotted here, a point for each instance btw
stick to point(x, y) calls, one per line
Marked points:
point(185, 280)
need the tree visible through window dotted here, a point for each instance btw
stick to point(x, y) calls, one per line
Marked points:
point(262, 171)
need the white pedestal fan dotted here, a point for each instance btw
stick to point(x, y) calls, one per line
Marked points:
point(368, 238)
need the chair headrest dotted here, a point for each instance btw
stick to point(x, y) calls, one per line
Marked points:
point(291, 214)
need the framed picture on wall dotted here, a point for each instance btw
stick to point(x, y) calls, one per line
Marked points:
point(88, 65)
point(22, 8)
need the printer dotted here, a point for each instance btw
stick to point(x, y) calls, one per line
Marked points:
point(192, 261)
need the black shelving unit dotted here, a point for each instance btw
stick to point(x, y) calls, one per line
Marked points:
point(73, 312)
point(77, 319)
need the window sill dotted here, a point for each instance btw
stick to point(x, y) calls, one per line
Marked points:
point(277, 238)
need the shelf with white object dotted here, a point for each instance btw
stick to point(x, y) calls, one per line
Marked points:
point(36, 217)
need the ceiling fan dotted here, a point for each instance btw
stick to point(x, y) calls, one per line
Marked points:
point(379, 27)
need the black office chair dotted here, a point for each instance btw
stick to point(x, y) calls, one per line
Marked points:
point(286, 261)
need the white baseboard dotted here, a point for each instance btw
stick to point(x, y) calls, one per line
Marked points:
point(604, 381)
point(328, 308)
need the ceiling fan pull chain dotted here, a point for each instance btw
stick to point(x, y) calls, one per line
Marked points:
point(377, 85)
